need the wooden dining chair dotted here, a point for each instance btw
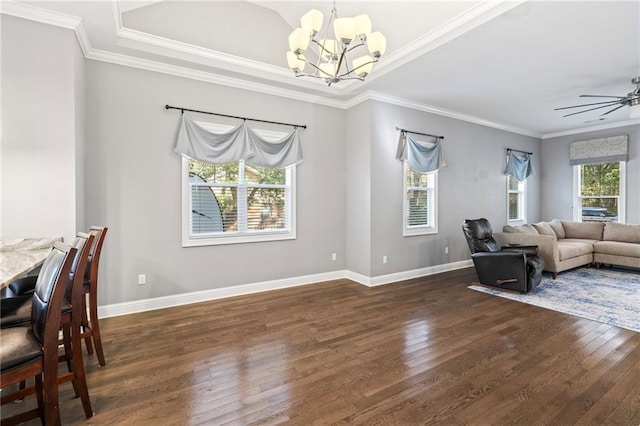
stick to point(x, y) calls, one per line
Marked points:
point(27, 352)
point(90, 323)
point(16, 311)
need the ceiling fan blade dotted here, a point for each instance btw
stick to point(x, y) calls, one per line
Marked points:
point(616, 108)
point(601, 96)
point(583, 105)
point(587, 110)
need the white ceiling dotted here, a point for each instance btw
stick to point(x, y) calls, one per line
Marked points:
point(507, 64)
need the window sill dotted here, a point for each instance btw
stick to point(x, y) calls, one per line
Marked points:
point(239, 239)
point(421, 231)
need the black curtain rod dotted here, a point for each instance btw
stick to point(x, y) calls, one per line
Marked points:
point(304, 126)
point(419, 133)
point(517, 150)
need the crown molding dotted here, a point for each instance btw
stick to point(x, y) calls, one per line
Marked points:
point(33, 13)
point(377, 96)
point(175, 70)
point(477, 15)
point(631, 122)
point(454, 27)
point(152, 43)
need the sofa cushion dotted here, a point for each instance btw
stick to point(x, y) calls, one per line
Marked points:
point(587, 230)
point(621, 232)
point(556, 225)
point(568, 249)
point(544, 228)
point(523, 229)
point(617, 248)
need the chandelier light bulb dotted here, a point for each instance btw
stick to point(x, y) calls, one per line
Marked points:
point(363, 65)
point(634, 110)
point(377, 44)
point(363, 25)
point(296, 62)
point(312, 21)
point(299, 40)
point(345, 29)
point(328, 70)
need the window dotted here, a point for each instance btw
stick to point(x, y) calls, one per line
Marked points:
point(237, 202)
point(516, 200)
point(420, 198)
point(599, 191)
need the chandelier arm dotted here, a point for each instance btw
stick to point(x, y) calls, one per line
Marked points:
point(355, 69)
point(356, 46)
point(317, 68)
point(322, 47)
point(341, 60)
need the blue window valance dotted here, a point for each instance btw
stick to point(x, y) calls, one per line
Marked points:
point(423, 157)
point(519, 165)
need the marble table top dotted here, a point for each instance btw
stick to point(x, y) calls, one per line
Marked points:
point(22, 255)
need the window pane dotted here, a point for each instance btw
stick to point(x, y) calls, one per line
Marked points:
point(261, 175)
point(215, 173)
point(417, 208)
point(213, 209)
point(600, 209)
point(513, 206)
point(513, 184)
point(418, 179)
point(266, 209)
point(600, 179)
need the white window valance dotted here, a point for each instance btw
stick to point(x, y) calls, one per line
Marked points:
point(603, 150)
point(423, 157)
point(238, 143)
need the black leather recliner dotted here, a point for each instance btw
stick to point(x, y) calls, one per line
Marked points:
point(516, 268)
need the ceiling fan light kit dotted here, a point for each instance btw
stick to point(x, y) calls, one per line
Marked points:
point(333, 64)
point(632, 100)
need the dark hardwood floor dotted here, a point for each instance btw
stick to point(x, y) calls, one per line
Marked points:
point(424, 351)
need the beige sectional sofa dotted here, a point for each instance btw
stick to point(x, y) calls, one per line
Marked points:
point(565, 245)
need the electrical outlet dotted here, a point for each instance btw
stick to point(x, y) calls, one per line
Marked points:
point(446, 250)
point(142, 279)
point(384, 259)
point(333, 256)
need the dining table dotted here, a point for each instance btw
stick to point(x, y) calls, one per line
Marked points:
point(21, 256)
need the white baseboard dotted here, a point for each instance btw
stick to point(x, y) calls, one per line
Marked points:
point(143, 305)
point(407, 275)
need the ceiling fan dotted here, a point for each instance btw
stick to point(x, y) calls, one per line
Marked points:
point(632, 100)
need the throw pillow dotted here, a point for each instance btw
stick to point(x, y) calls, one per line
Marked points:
point(556, 225)
point(544, 228)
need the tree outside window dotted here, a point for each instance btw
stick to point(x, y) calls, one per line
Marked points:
point(237, 202)
point(515, 200)
point(420, 195)
point(599, 191)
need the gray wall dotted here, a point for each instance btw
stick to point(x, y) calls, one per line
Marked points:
point(133, 186)
point(358, 188)
point(557, 179)
point(103, 143)
point(42, 76)
point(473, 185)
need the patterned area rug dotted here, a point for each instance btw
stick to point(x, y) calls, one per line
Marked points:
point(605, 295)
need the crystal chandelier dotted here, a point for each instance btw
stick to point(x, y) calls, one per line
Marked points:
point(333, 65)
